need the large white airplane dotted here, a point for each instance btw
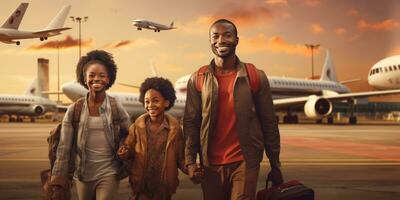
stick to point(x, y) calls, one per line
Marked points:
point(142, 23)
point(314, 96)
point(10, 34)
point(31, 104)
point(385, 74)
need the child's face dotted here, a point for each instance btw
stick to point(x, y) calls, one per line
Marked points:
point(154, 103)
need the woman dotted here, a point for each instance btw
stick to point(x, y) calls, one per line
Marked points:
point(97, 168)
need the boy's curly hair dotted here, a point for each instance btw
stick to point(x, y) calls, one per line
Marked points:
point(100, 57)
point(162, 85)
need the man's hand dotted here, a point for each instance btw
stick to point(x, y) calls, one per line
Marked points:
point(196, 173)
point(123, 152)
point(275, 175)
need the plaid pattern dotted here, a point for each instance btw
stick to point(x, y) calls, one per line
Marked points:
point(64, 148)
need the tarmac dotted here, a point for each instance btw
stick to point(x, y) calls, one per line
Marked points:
point(347, 162)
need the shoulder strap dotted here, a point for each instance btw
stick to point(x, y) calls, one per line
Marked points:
point(254, 78)
point(76, 115)
point(116, 120)
point(114, 110)
point(200, 77)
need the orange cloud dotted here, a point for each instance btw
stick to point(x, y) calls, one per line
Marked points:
point(352, 12)
point(68, 42)
point(312, 3)
point(340, 31)
point(243, 16)
point(141, 42)
point(277, 2)
point(119, 44)
point(385, 25)
point(317, 29)
point(274, 44)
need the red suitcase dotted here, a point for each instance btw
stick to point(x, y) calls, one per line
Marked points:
point(292, 190)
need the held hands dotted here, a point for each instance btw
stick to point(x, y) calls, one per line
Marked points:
point(123, 152)
point(196, 173)
point(275, 175)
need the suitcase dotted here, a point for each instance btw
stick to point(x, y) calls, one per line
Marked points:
point(291, 190)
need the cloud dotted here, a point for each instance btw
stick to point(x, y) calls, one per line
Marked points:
point(312, 3)
point(340, 31)
point(317, 29)
point(242, 16)
point(66, 43)
point(142, 42)
point(274, 44)
point(352, 12)
point(385, 25)
point(277, 2)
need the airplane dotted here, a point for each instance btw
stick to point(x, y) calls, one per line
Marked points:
point(31, 104)
point(385, 74)
point(313, 96)
point(142, 23)
point(10, 34)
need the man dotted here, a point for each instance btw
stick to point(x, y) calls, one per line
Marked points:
point(228, 124)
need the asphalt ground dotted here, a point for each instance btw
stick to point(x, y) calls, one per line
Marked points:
point(347, 162)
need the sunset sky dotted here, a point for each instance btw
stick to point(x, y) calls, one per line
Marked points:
point(272, 34)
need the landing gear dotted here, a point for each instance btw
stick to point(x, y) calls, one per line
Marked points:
point(139, 29)
point(352, 118)
point(41, 39)
point(290, 119)
point(18, 43)
point(330, 119)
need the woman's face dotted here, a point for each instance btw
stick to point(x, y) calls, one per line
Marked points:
point(96, 77)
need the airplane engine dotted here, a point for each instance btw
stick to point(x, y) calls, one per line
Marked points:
point(317, 107)
point(38, 109)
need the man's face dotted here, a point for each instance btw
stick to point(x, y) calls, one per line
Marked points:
point(223, 39)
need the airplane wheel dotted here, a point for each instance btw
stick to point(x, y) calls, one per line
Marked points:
point(45, 38)
point(18, 43)
point(41, 39)
point(352, 120)
point(330, 120)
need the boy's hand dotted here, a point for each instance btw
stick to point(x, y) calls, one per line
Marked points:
point(196, 173)
point(123, 152)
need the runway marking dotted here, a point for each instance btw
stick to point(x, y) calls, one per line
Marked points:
point(383, 152)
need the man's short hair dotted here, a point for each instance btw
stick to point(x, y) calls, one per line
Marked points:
point(225, 21)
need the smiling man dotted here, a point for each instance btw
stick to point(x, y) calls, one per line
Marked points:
point(229, 121)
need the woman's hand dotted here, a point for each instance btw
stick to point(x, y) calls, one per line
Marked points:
point(123, 152)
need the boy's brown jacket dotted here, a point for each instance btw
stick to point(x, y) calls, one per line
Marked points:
point(137, 143)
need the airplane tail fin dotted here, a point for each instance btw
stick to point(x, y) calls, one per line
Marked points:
point(328, 71)
point(153, 69)
point(58, 21)
point(16, 17)
point(32, 89)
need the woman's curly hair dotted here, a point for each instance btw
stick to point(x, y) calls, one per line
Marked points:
point(100, 57)
point(162, 85)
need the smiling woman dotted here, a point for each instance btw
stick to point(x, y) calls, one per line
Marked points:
point(103, 124)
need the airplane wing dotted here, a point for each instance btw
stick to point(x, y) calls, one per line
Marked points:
point(285, 102)
point(62, 108)
point(51, 31)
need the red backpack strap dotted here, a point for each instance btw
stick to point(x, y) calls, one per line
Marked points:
point(254, 78)
point(200, 77)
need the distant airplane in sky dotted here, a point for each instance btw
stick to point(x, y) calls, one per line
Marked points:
point(314, 96)
point(385, 74)
point(10, 34)
point(142, 23)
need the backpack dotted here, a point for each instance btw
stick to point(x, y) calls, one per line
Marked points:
point(254, 78)
point(54, 139)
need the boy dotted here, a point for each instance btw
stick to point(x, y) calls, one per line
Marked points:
point(154, 146)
